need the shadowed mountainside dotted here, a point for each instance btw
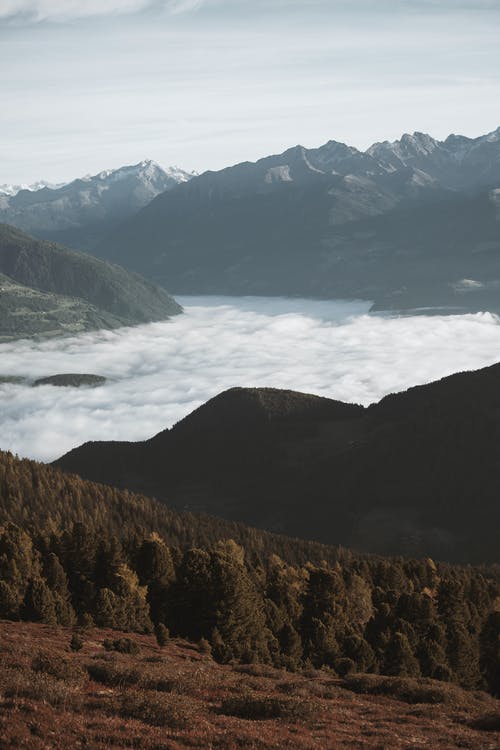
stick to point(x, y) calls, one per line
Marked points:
point(416, 474)
point(408, 224)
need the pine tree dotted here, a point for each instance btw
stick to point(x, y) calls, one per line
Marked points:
point(38, 604)
point(324, 616)
point(490, 653)
point(19, 563)
point(239, 610)
point(107, 609)
point(399, 658)
point(155, 569)
point(290, 646)
point(57, 581)
point(162, 634)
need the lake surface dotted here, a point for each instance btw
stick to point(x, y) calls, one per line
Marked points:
point(158, 373)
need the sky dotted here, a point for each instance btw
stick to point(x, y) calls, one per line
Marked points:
point(87, 85)
point(159, 373)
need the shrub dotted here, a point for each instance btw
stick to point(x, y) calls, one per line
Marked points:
point(86, 620)
point(204, 646)
point(488, 723)
point(157, 709)
point(257, 707)
point(258, 670)
point(113, 674)
point(345, 666)
point(40, 686)
point(76, 642)
point(62, 669)
point(407, 689)
point(162, 634)
point(122, 645)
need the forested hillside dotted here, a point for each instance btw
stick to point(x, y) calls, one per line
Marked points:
point(416, 474)
point(47, 289)
point(71, 551)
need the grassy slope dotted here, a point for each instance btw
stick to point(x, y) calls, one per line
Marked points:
point(178, 697)
point(26, 312)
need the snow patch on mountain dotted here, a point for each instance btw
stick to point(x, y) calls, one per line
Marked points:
point(100, 200)
point(15, 189)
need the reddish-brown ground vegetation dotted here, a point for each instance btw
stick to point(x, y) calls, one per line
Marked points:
point(52, 696)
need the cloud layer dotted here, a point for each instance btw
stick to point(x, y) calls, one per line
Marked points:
point(160, 372)
point(64, 10)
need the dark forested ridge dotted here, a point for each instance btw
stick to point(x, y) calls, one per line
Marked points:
point(416, 474)
point(46, 289)
point(74, 552)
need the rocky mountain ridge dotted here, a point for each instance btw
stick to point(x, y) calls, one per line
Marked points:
point(403, 224)
point(86, 209)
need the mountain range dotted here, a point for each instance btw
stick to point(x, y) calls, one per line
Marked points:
point(11, 190)
point(416, 474)
point(83, 211)
point(47, 290)
point(413, 223)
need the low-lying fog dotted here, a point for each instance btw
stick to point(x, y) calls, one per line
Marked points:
point(160, 372)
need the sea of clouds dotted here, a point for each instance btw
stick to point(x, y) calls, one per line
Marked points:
point(160, 372)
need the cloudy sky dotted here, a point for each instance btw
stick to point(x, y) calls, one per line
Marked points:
point(159, 373)
point(93, 84)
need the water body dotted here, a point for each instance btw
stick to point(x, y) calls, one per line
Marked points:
point(158, 373)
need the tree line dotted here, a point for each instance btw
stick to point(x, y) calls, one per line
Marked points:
point(75, 553)
point(394, 617)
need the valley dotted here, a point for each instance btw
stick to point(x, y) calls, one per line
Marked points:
point(249, 375)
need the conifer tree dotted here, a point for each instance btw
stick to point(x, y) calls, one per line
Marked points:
point(57, 582)
point(399, 658)
point(324, 616)
point(38, 604)
point(490, 653)
point(19, 564)
point(238, 608)
point(162, 634)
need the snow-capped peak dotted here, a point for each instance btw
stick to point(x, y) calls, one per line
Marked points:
point(494, 136)
point(418, 144)
point(11, 190)
point(147, 169)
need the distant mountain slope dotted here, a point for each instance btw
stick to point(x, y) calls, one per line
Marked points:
point(47, 289)
point(85, 210)
point(416, 474)
point(393, 225)
point(25, 312)
point(457, 162)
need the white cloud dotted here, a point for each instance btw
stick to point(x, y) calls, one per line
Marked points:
point(184, 6)
point(63, 10)
point(158, 373)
